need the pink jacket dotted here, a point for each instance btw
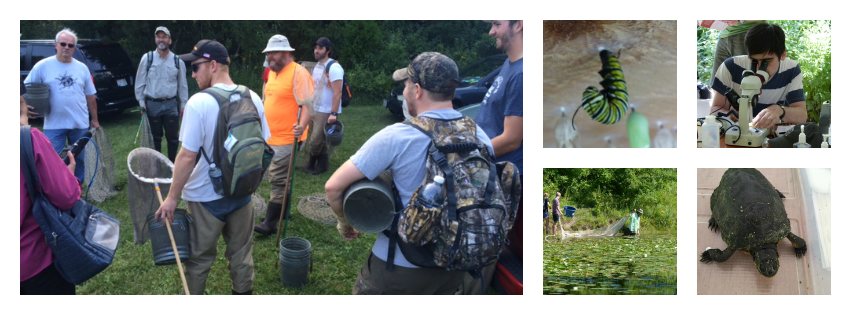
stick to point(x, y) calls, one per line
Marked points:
point(60, 187)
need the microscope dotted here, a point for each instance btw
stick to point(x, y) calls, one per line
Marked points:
point(752, 81)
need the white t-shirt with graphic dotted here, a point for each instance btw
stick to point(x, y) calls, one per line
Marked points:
point(69, 83)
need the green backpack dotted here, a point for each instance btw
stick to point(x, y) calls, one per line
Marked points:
point(239, 149)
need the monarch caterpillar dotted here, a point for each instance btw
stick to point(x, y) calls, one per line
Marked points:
point(609, 105)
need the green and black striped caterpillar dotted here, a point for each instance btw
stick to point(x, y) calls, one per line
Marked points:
point(609, 105)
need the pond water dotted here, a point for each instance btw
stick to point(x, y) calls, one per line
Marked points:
point(614, 265)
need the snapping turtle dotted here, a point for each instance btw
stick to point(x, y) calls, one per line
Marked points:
point(750, 214)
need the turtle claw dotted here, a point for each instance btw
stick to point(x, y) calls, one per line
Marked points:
point(705, 257)
point(799, 244)
point(713, 225)
point(800, 252)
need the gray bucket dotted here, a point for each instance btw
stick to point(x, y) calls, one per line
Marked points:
point(369, 204)
point(160, 242)
point(38, 96)
point(295, 261)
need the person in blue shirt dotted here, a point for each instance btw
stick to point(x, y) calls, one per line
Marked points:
point(501, 112)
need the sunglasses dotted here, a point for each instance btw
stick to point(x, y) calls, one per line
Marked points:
point(66, 45)
point(195, 65)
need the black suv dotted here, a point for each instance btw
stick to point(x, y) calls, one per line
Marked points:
point(112, 70)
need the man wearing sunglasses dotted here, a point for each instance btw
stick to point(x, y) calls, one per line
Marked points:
point(72, 96)
point(213, 214)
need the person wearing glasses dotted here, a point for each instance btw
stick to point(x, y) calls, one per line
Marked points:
point(162, 91)
point(213, 214)
point(72, 97)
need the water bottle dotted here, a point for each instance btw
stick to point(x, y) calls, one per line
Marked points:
point(710, 137)
point(216, 178)
point(432, 195)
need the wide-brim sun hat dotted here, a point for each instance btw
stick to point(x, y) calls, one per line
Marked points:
point(278, 43)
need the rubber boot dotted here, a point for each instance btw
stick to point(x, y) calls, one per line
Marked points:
point(249, 292)
point(321, 165)
point(273, 213)
point(310, 163)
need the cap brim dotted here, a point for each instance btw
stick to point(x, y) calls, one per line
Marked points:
point(188, 57)
point(400, 75)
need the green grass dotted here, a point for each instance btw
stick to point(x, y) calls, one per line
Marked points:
point(336, 262)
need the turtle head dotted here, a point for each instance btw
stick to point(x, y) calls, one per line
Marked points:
point(766, 259)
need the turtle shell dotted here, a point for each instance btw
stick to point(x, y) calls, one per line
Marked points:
point(749, 211)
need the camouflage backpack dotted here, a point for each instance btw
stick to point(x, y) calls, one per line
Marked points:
point(480, 205)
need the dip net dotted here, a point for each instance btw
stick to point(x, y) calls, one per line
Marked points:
point(143, 166)
point(100, 158)
point(145, 138)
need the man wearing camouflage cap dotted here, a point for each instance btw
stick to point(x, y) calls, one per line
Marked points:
point(430, 82)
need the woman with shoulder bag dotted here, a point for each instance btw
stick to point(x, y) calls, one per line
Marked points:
point(38, 274)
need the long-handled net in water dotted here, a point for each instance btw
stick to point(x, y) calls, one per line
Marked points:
point(610, 230)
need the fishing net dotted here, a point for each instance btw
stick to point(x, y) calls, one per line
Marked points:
point(610, 230)
point(316, 208)
point(303, 88)
point(303, 92)
point(258, 204)
point(100, 158)
point(143, 166)
point(144, 133)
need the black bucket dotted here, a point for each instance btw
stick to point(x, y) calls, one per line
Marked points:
point(295, 261)
point(160, 242)
point(38, 96)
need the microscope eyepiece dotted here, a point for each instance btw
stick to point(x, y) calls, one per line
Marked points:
point(763, 66)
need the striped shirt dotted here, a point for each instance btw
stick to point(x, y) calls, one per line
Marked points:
point(785, 87)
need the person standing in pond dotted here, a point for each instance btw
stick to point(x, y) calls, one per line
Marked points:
point(556, 205)
point(546, 212)
point(633, 223)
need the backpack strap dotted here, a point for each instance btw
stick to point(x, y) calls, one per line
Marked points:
point(393, 233)
point(328, 71)
point(420, 256)
point(177, 80)
point(150, 55)
point(443, 163)
point(28, 164)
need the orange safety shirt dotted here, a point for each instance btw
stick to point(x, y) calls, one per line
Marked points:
point(281, 106)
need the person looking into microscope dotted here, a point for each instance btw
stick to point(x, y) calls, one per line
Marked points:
point(782, 95)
